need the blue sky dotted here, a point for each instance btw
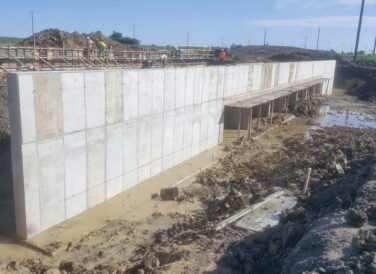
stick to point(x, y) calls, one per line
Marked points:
point(208, 21)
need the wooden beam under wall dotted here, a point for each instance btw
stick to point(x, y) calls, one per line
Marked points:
point(250, 122)
point(239, 122)
point(286, 103)
point(259, 118)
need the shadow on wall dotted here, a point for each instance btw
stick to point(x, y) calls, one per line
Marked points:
point(7, 213)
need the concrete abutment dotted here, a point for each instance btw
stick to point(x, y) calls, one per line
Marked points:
point(80, 138)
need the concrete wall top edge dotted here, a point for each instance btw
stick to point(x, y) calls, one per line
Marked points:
point(138, 69)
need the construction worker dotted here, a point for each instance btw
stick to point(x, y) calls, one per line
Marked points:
point(102, 46)
point(222, 55)
point(163, 60)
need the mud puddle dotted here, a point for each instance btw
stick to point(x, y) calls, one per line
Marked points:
point(330, 117)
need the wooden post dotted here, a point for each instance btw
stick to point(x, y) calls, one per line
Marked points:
point(287, 103)
point(250, 122)
point(239, 122)
point(259, 118)
point(306, 183)
point(271, 117)
point(248, 127)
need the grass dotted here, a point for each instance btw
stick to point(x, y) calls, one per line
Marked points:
point(367, 60)
point(4, 41)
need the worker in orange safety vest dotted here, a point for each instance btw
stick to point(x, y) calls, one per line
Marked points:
point(222, 55)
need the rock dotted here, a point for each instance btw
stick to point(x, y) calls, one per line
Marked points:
point(151, 262)
point(356, 218)
point(371, 213)
point(169, 194)
point(53, 271)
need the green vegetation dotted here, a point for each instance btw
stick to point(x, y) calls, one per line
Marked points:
point(4, 41)
point(118, 36)
point(367, 60)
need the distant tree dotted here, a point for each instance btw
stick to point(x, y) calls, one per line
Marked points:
point(118, 36)
point(235, 46)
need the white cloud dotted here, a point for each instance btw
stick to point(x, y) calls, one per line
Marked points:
point(325, 22)
point(320, 3)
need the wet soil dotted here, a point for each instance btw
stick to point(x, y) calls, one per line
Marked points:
point(180, 238)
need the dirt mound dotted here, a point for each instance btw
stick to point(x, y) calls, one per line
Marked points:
point(357, 81)
point(59, 38)
point(280, 54)
point(316, 235)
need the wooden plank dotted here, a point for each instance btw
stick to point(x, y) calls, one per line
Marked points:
point(244, 212)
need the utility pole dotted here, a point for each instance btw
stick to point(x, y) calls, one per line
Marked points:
point(265, 36)
point(359, 29)
point(374, 48)
point(134, 31)
point(187, 41)
point(342, 48)
point(222, 39)
point(32, 30)
point(305, 42)
point(318, 39)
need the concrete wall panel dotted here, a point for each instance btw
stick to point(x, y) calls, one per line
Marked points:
point(73, 93)
point(48, 106)
point(170, 84)
point(145, 88)
point(81, 138)
point(206, 85)
point(130, 146)
point(189, 86)
point(51, 181)
point(95, 96)
point(32, 198)
point(157, 137)
point(199, 78)
point(168, 133)
point(114, 96)
point(178, 129)
point(96, 157)
point(114, 151)
point(130, 94)
point(75, 163)
point(158, 91)
point(180, 88)
point(26, 102)
point(144, 141)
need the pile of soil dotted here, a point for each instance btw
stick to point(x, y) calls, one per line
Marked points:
point(59, 38)
point(241, 180)
point(246, 54)
point(357, 81)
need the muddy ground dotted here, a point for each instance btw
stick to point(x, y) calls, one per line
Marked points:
point(331, 230)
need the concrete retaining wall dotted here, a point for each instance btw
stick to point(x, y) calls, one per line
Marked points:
point(80, 138)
